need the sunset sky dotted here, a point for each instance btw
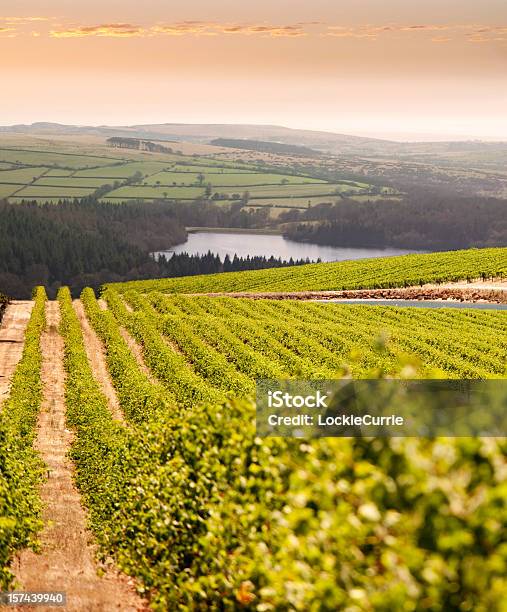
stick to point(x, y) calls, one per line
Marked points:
point(390, 68)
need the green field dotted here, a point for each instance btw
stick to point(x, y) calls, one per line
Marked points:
point(151, 193)
point(51, 175)
point(59, 172)
point(124, 170)
point(21, 176)
point(6, 190)
point(40, 191)
point(52, 158)
point(323, 191)
point(295, 202)
point(226, 180)
point(71, 182)
point(290, 191)
point(210, 168)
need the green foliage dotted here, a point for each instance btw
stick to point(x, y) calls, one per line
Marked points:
point(20, 465)
point(4, 300)
point(139, 397)
point(168, 365)
point(280, 339)
point(208, 516)
point(402, 271)
point(79, 243)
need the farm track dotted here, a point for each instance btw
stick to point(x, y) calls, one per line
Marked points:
point(96, 356)
point(133, 345)
point(137, 351)
point(66, 562)
point(494, 293)
point(12, 335)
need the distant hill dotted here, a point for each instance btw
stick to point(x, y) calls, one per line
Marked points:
point(324, 142)
point(205, 133)
point(261, 145)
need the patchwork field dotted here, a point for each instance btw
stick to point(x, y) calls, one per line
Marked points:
point(51, 171)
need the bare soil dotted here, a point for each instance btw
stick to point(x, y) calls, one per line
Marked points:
point(499, 284)
point(137, 351)
point(134, 346)
point(97, 358)
point(473, 292)
point(12, 340)
point(66, 562)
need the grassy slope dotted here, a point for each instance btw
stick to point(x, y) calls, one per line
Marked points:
point(45, 174)
point(368, 273)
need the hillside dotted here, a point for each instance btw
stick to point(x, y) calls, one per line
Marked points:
point(329, 142)
point(400, 271)
point(183, 499)
point(48, 170)
point(205, 133)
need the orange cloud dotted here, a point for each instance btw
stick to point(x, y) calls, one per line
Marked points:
point(436, 33)
point(200, 28)
point(269, 30)
point(181, 28)
point(372, 31)
point(473, 33)
point(488, 34)
point(195, 28)
point(116, 30)
point(23, 19)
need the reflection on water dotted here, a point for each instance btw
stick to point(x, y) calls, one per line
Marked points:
point(418, 303)
point(222, 244)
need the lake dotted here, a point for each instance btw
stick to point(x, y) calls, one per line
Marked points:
point(243, 244)
point(417, 304)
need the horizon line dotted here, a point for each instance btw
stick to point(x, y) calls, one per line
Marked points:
point(431, 138)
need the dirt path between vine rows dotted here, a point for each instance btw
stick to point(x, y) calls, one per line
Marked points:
point(96, 354)
point(12, 341)
point(66, 562)
point(134, 346)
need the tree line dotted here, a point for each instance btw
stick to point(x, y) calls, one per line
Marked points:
point(184, 264)
point(423, 220)
point(3, 303)
point(79, 243)
point(85, 242)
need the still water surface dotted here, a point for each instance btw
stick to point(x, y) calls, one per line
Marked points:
point(419, 304)
point(222, 244)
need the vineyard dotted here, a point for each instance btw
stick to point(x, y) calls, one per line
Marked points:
point(400, 271)
point(182, 495)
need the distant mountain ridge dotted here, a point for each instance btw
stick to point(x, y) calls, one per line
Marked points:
point(204, 133)
point(326, 142)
